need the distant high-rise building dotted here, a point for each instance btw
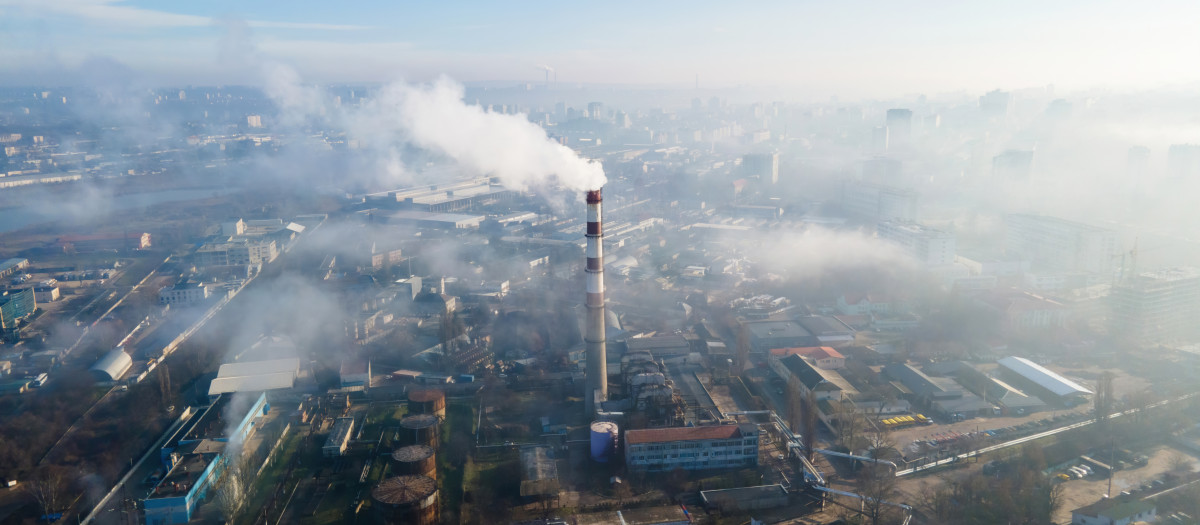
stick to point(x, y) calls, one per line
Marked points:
point(899, 127)
point(596, 110)
point(622, 120)
point(765, 166)
point(1137, 162)
point(1157, 306)
point(927, 245)
point(1055, 244)
point(1013, 164)
point(1183, 161)
point(882, 170)
point(995, 103)
point(878, 201)
point(879, 139)
point(1058, 109)
point(254, 121)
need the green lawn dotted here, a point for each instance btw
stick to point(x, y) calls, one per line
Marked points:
point(460, 420)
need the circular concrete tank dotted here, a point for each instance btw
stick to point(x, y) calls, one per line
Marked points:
point(408, 500)
point(416, 460)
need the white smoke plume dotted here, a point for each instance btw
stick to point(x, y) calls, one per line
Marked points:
point(815, 252)
point(434, 118)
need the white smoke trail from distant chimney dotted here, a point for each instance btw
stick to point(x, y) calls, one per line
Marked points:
point(435, 117)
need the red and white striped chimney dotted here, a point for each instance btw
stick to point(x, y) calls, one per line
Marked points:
point(597, 360)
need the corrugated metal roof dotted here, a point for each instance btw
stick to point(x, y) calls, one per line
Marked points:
point(114, 364)
point(662, 435)
point(1043, 377)
point(252, 383)
point(259, 367)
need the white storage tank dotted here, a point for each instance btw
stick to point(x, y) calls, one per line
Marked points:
point(604, 440)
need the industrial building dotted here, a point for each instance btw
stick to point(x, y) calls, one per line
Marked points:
point(692, 448)
point(928, 246)
point(105, 241)
point(745, 499)
point(112, 366)
point(194, 459)
point(823, 357)
point(539, 473)
point(339, 437)
point(765, 335)
point(10, 267)
point(355, 374)
point(424, 219)
point(1010, 399)
point(660, 346)
point(250, 376)
point(824, 384)
point(942, 395)
point(1044, 383)
point(1158, 306)
point(827, 330)
point(446, 197)
point(184, 292)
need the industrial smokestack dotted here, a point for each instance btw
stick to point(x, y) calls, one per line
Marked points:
point(597, 360)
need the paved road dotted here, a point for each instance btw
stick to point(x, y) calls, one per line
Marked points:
point(1029, 438)
point(147, 464)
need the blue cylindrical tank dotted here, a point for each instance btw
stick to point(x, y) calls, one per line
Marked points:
point(604, 440)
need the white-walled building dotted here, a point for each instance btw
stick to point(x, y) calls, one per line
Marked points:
point(1057, 244)
point(879, 202)
point(692, 448)
point(929, 246)
point(183, 292)
point(1157, 306)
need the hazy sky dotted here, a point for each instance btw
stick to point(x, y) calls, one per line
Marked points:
point(850, 47)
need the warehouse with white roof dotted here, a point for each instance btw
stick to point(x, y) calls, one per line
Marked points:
point(255, 376)
point(1044, 383)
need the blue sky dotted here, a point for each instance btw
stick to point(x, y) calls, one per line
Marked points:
point(851, 47)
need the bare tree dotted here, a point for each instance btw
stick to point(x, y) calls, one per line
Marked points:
point(810, 418)
point(794, 400)
point(877, 481)
point(164, 385)
point(849, 424)
point(234, 485)
point(50, 486)
point(877, 484)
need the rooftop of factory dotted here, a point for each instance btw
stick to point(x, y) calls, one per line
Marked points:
point(1059, 222)
point(776, 329)
point(665, 435)
point(667, 514)
point(722, 496)
point(249, 376)
point(912, 227)
point(539, 471)
point(182, 476)
point(212, 423)
point(1043, 377)
point(811, 352)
